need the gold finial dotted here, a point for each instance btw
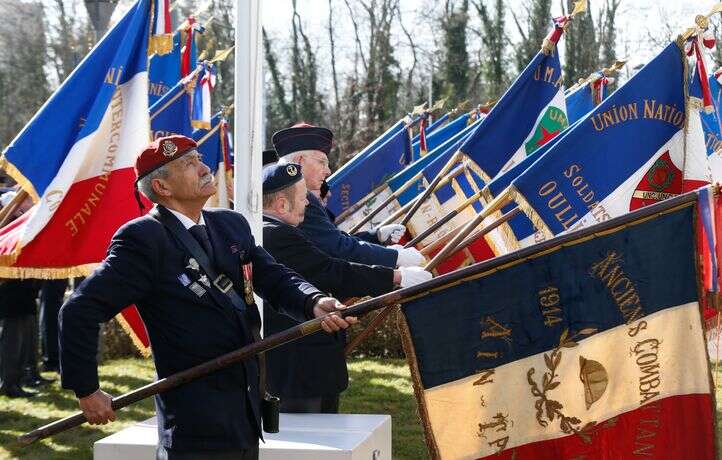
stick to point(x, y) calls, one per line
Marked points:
point(580, 6)
point(419, 109)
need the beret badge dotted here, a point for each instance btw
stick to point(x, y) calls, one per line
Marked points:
point(291, 170)
point(169, 148)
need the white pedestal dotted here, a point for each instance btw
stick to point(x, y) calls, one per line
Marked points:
point(302, 437)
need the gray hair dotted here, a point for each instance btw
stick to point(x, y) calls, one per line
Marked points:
point(145, 184)
point(293, 157)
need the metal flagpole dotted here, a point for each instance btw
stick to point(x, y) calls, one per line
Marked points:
point(247, 131)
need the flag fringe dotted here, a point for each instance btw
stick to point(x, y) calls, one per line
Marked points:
point(43, 273)
point(18, 177)
point(530, 212)
point(200, 124)
point(142, 349)
point(410, 352)
point(160, 44)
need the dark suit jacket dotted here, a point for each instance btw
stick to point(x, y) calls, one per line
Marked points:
point(17, 297)
point(314, 365)
point(147, 266)
point(323, 233)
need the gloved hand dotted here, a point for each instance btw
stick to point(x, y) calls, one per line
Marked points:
point(411, 276)
point(408, 257)
point(391, 233)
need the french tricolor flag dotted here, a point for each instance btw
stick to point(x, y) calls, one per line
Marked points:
point(75, 158)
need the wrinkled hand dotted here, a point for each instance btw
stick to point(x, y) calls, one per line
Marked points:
point(328, 306)
point(97, 408)
point(391, 233)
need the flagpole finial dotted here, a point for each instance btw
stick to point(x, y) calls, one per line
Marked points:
point(419, 109)
point(227, 110)
point(580, 6)
point(438, 105)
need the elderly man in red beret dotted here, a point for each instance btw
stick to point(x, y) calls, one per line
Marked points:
point(192, 273)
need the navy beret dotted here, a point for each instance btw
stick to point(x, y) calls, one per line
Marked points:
point(277, 177)
point(300, 137)
point(269, 156)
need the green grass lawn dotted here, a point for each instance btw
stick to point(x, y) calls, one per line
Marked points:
point(377, 386)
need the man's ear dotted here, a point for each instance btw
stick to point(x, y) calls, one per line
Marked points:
point(160, 187)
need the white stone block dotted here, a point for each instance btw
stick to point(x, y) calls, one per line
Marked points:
point(301, 437)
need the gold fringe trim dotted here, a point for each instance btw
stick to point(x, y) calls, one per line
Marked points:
point(18, 177)
point(530, 212)
point(200, 124)
point(505, 233)
point(46, 273)
point(160, 44)
point(410, 353)
point(476, 168)
point(142, 349)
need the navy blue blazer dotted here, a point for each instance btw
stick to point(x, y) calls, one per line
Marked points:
point(148, 267)
point(323, 233)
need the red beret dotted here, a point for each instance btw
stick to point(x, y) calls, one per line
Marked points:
point(162, 151)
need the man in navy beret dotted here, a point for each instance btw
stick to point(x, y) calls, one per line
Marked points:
point(310, 373)
point(164, 263)
point(309, 146)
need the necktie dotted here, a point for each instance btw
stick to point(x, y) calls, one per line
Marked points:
point(200, 233)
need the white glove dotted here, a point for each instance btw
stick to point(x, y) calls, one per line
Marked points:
point(411, 276)
point(391, 233)
point(409, 257)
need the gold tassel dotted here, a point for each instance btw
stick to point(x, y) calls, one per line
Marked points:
point(160, 44)
point(144, 351)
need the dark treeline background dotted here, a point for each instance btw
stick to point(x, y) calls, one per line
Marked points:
point(360, 67)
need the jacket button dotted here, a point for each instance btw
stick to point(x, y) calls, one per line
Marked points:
point(249, 388)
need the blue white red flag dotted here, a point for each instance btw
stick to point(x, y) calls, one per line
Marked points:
point(165, 70)
point(75, 158)
point(436, 137)
point(216, 149)
point(370, 172)
point(580, 349)
point(579, 102)
point(594, 172)
point(529, 114)
point(711, 124)
point(171, 114)
point(335, 178)
point(398, 181)
point(204, 84)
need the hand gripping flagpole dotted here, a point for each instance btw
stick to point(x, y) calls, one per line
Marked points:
point(449, 249)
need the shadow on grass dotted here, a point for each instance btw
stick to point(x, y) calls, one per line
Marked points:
point(64, 445)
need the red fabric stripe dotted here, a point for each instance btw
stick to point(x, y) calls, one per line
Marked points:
point(677, 427)
point(90, 213)
point(166, 13)
point(132, 318)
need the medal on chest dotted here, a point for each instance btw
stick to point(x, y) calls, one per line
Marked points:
point(247, 270)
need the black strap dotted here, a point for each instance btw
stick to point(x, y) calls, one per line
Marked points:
point(222, 283)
